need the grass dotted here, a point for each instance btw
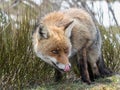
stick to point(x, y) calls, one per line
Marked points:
point(108, 83)
point(111, 47)
point(20, 68)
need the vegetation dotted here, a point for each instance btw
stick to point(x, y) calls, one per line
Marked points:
point(109, 83)
point(20, 68)
point(18, 65)
point(111, 47)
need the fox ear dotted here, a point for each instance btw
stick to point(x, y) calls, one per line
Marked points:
point(42, 32)
point(68, 28)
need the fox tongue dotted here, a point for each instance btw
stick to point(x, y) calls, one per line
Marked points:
point(67, 68)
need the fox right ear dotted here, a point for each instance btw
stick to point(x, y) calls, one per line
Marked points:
point(68, 28)
point(42, 32)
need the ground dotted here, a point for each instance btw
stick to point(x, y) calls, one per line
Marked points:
point(108, 83)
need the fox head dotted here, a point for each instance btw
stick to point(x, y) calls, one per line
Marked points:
point(52, 44)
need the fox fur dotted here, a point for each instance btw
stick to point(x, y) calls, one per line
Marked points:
point(61, 35)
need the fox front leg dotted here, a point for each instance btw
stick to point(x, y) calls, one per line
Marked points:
point(83, 66)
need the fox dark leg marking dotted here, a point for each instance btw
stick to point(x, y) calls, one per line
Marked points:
point(58, 75)
point(104, 71)
point(84, 67)
point(90, 72)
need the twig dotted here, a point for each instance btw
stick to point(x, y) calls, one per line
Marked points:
point(112, 12)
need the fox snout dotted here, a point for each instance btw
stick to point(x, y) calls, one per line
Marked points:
point(62, 67)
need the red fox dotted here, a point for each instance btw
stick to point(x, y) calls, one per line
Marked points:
point(61, 35)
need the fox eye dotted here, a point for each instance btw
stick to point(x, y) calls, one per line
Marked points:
point(55, 51)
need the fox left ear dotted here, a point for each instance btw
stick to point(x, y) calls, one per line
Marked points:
point(68, 28)
point(42, 32)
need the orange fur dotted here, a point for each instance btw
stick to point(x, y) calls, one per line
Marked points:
point(82, 34)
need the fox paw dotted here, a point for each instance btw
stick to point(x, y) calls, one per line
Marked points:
point(86, 81)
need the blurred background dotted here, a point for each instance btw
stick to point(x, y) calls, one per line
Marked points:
point(19, 67)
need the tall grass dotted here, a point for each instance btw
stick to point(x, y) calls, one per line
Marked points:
point(111, 47)
point(19, 67)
